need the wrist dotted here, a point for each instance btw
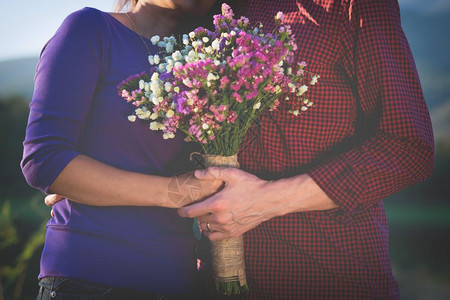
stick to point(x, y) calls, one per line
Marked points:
point(280, 196)
point(298, 194)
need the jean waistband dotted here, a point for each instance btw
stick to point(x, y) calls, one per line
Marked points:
point(58, 283)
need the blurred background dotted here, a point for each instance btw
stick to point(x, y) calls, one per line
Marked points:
point(419, 216)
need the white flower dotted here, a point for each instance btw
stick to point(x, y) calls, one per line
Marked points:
point(170, 113)
point(169, 48)
point(142, 114)
point(187, 82)
point(211, 77)
point(209, 50)
point(162, 67)
point(192, 34)
point(170, 61)
point(156, 99)
point(167, 87)
point(304, 108)
point(155, 39)
point(197, 43)
point(257, 105)
point(205, 39)
point(314, 79)
point(172, 40)
point(177, 64)
point(205, 126)
point(132, 118)
point(168, 135)
point(147, 87)
point(141, 84)
point(155, 87)
point(302, 90)
point(153, 116)
point(155, 125)
point(176, 89)
point(233, 33)
point(215, 44)
point(150, 60)
point(155, 76)
point(161, 44)
point(156, 59)
point(177, 55)
point(217, 62)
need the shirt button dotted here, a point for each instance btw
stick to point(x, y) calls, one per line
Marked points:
point(53, 294)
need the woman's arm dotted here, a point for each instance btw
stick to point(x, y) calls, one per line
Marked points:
point(70, 68)
point(91, 182)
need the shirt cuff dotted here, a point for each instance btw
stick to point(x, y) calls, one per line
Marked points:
point(340, 182)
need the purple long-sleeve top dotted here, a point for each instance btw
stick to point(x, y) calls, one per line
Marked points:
point(76, 110)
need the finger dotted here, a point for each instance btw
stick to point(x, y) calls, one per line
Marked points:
point(52, 213)
point(208, 218)
point(207, 227)
point(51, 199)
point(218, 235)
point(199, 209)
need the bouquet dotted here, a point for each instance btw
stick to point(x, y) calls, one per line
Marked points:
point(212, 86)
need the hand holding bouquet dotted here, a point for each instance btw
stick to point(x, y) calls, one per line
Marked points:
point(212, 86)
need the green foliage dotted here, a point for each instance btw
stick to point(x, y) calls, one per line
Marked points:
point(22, 232)
point(8, 233)
point(13, 121)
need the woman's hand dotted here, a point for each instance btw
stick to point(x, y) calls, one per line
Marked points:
point(246, 201)
point(52, 199)
point(186, 189)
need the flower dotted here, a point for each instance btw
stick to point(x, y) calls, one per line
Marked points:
point(155, 39)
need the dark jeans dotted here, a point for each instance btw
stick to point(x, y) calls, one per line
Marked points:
point(59, 288)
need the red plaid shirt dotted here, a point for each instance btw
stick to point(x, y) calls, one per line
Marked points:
point(368, 136)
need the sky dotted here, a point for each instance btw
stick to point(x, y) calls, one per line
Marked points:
point(25, 26)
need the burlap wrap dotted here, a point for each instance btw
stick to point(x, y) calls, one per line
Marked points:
point(227, 255)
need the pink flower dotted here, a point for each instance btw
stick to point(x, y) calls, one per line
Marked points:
point(227, 12)
point(253, 94)
point(237, 96)
point(231, 117)
point(223, 81)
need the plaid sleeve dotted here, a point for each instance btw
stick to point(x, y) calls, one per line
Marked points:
point(396, 147)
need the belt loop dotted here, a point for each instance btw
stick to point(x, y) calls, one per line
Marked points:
point(41, 292)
